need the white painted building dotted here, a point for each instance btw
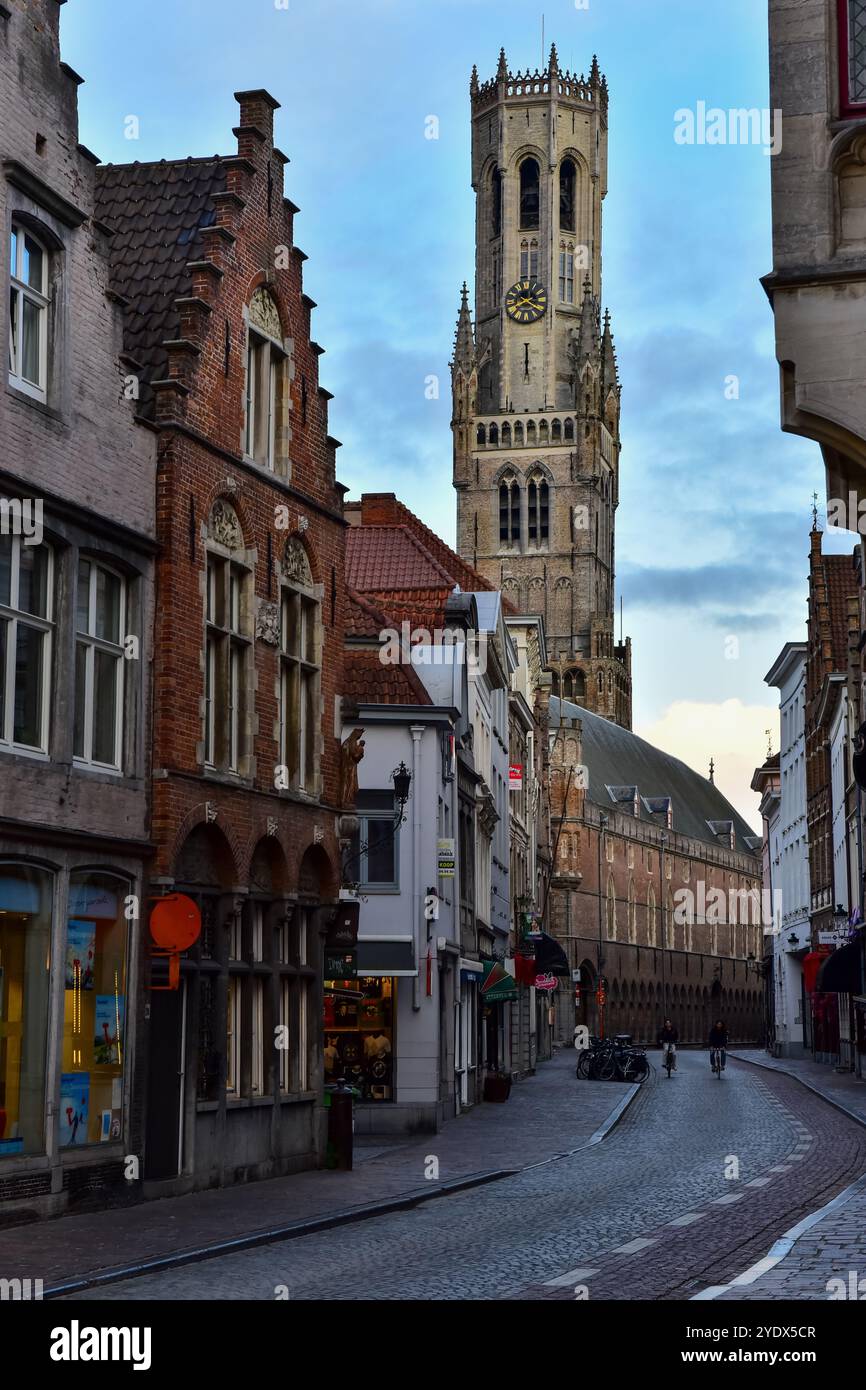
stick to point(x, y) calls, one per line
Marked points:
point(790, 853)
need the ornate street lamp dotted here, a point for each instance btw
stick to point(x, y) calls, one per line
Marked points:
point(402, 779)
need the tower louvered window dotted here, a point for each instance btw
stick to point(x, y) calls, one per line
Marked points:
point(529, 259)
point(567, 181)
point(509, 513)
point(566, 272)
point(529, 194)
point(539, 511)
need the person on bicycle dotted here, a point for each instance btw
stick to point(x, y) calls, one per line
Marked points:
point(719, 1039)
point(667, 1039)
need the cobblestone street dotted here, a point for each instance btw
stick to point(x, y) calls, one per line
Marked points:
point(649, 1213)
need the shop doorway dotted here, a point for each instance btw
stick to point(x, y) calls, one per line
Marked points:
point(165, 1089)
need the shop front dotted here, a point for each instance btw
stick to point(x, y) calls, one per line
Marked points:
point(373, 1036)
point(67, 948)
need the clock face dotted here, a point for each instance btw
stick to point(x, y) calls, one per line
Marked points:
point(526, 301)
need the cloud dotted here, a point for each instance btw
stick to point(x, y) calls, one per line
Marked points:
point(733, 734)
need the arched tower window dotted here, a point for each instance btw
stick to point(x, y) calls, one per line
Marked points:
point(528, 258)
point(567, 183)
point(569, 431)
point(496, 203)
point(529, 194)
point(543, 432)
point(506, 435)
point(530, 432)
point(539, 520)
point(556, 432)
point(509, 512)
point(566, 272)
point(518, 434)
point(493, 435)
point(481, 436)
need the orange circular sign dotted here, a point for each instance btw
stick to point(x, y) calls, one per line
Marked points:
point(175, 922)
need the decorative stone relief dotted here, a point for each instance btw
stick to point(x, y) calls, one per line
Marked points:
point(224, 526)
point(265, 315)
point(296, 566)
point(268, 623)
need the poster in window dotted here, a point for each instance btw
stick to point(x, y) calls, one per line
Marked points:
point(74, 1107)
point(108, 1030)
point(80, 949)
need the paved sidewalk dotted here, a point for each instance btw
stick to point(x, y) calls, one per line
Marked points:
point(843, 1088)
point(548, 1114)
point(827, 1259)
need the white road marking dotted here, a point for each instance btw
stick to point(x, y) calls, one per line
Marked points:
point(759, 1182)
point(574, 1276)
point(633, 1247)
point(731, 1197)
point(688, 1218)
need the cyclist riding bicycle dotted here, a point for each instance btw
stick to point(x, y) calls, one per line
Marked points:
point(719, 1039)
point(667, 1040)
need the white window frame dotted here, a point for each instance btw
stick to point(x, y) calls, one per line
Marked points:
point(20, 291)
point(92, 644)
point(264, 355)
point(299, 670)
point(226, 646)
point(15, 617)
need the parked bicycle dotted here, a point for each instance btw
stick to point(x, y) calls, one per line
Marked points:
point(606, 1059)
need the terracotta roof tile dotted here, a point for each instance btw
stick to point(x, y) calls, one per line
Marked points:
point(369, 681)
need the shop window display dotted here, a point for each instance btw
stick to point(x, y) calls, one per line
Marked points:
point(94, 1018)
point(359, 1034)
point(25, 943)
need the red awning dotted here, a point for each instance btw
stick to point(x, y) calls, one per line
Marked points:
point(811, 965)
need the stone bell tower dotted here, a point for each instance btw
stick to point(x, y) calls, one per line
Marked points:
point(536, 394)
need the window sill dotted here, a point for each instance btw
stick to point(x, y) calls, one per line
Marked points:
point(111, 774)
point(31, 754)
point(36, 402)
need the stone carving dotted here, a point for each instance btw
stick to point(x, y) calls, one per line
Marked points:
point(296, 566)
point(224, 526)
point(351, 753)
point(265, 315)
point(272, 826)
point(268, 623)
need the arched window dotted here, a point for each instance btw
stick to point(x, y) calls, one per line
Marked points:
point(578, 683)
point(569, 431)
point(543, 433)
point(496, 203)
point(529, 194)
point(300, 663)
point(652, 920)
point(611, 910)
point(506, 435)
point(266, 378)
point(567, 182)
point(518, 434)
point(509, 512)
point(480, 436)
point(566, 272)
point(28, 313)
point(528, 259)
point(228, 641)
point(632, 912)
point(530, 432)
point(556, 431)
point(493, 434)
point(538, 529)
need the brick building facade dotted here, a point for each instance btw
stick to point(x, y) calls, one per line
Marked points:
point(76, 601)
point(247, 651)
point(651, 872)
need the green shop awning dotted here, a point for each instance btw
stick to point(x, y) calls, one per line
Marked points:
point(497, 986)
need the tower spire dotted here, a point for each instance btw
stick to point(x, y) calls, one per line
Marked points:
point(464, 338)
point(586, 335)
point(608, 355)
point(502, 70)
point(594, 72)
point(473, 81)
point(553, 65)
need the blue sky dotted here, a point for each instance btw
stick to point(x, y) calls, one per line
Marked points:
point(712, 530)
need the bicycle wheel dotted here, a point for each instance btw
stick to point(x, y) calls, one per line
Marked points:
point(584, 1068)
point(669, 1065)
point(606, 1067)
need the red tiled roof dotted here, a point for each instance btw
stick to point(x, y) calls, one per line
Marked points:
point(363, 619)
point(368, 681)
point(380, 559)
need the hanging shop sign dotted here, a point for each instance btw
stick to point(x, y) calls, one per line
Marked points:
point(342, 932)
point(545, 982)
point(445, 858)
point(175, 925)
point(515, 777)
point(497, 987)
point(340, 965)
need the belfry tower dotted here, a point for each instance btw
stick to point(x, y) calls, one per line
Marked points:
point(536, 394)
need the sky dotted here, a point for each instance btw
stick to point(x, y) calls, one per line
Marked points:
point(715, 502)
